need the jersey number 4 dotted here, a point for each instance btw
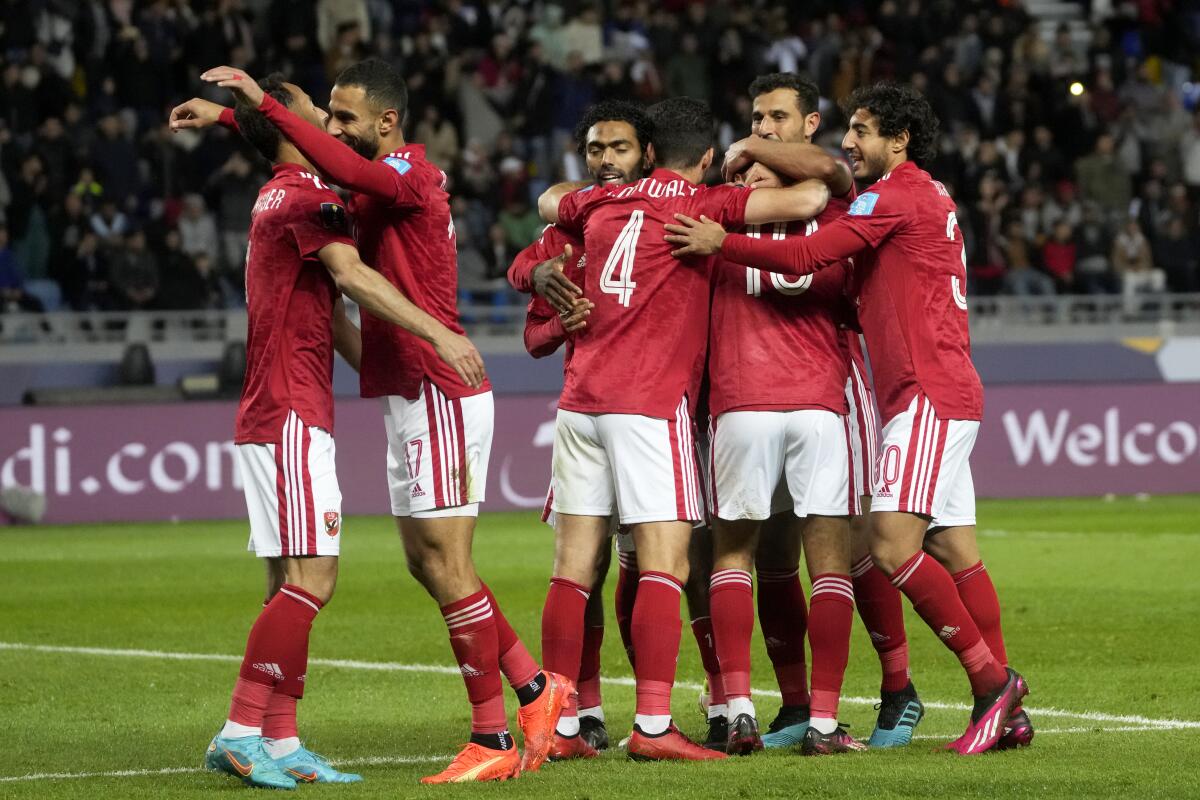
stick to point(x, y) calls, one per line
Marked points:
point(617, 275)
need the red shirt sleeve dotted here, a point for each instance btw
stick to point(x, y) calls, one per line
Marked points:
point(725, 204)
point(544, 332)
point(319, 220)
point(520, 273)
point(336, 162)
point(227, 119)
point(572, 209)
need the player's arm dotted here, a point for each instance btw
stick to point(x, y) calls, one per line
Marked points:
point(796, 255)
point(347, 338)
point(199, 113)
point(376, 295)
point(795, 160)
point(337, 162)
point(546, 331)
point(803, 200)
point(549, 201)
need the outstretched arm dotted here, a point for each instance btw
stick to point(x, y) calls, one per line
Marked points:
point(803, 200)
point(347, 339)
point(796, 255)
point(336, 162)
point(199, 113)
point(375, 294)
point(795, 160)
point(548, 202)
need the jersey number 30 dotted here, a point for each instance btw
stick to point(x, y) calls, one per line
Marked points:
point(617, 275)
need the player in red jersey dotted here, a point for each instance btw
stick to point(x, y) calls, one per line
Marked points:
point(784, 119)
point(612, 137)
point(781, 448)
point(439, 427)
point(624, 437)
point(300, 259)
point(911, 277)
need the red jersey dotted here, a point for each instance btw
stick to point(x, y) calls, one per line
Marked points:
point(401, 219)
point(643, 349)
point(775, 343)
point(544, 332)
point(911, 271)
point(289, 299)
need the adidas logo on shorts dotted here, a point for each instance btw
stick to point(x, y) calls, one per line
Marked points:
point(417, 490)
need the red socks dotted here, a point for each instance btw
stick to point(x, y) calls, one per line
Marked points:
point(931, 590)
point(731, 600)
point(655, 631)
point(883, 615)
point(516, 663)
point(562, 628)
point(702, 631)
point(978, 595)
point(589, 667)
point(276, 653)
point(279, 722)
point(471, 623)
point(783, 618)
point(625, 596)
point(830, 615)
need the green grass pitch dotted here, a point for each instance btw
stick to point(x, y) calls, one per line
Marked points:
point(1101, 604)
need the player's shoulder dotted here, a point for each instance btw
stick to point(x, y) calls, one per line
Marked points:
point(555, 236)
point(409, 162)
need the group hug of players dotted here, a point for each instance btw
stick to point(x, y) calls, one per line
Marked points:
point(739, 306)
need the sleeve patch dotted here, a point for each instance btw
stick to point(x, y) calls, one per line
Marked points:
point(399, 164)
point(863, 205)
point(333, 217)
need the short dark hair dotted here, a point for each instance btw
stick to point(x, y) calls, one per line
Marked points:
point(683, 131)
point(808, 97)
point(382, 83)
point(614, 111)
point(899, 107)
point(256, 128)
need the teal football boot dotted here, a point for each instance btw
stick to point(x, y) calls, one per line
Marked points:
point(307, 767)
point(247, 759)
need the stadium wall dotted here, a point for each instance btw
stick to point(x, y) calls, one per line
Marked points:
point(119, 463)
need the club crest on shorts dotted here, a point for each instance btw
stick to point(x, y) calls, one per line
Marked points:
point(333, 523)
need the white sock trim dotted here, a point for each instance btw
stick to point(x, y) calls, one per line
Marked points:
point(738, 706)
point(652, 724)
point(568, 726)
point(716, 710)
point(595, 712)
point(278, 748)
point(823, 724)
point(235, 730)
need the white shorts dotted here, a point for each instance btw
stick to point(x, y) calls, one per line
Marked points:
point(754, 452)
point(438, 451)
point(924, 466)
point(292, 494)
point(642, 469)
point(864, 436)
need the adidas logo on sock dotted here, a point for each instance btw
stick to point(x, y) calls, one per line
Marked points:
point(947, 632)
point(417, 491)
point(271, 669)
point(469, 671)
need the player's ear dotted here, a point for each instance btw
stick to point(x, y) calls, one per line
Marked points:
point(900, 141)
point(389, 120)
point(649, 155)
point(706, 162)
point(811, 123)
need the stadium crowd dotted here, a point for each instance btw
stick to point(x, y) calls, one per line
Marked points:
point(1075, 160)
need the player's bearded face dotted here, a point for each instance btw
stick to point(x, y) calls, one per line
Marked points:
point(612, 152)
point(865, 147)
point(352, 121)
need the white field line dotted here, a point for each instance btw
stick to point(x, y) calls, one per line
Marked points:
point(389, 666)
point(138, 773)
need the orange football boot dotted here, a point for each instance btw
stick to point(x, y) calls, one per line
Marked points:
point(478, 763)
point(539, 719)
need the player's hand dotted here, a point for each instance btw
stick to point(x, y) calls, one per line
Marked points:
point(576, 319)
point(459, 353)
point(236, 80)
point(737, 158)
point(550, 282)
point(195, 113)
point(760, 177)
point(701, 237)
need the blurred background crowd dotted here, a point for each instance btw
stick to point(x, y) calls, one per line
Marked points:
point(1073, 152)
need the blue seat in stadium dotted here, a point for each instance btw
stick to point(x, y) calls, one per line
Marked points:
point(47, 291)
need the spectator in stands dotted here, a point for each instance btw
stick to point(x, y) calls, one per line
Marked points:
point(134, 274)
point(439, 137)
point(13, 296)
point(1189, 154)
point(198, 229)
point(1059, 255)
point(110, 223)
point(1021, 278)
point(86, 276)
point(333, 14)
point(1093, 267)
point(235, 187)
point(1103, 179)
point(116, 159)
point(1175, 254)
point(186, 282)
point(1134, 265)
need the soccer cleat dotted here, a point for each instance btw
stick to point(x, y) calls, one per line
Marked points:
point(592, 731)
point(899, 713)
point(669, 746)
point(743, 738)
point(989, 716)
point(247, 759)
point(718, 734)
point(476, 763)
point(826, 744)
point(308, 767)
point(566, 748)
point(539, 719)
point(1018, 732)
point(788, 727)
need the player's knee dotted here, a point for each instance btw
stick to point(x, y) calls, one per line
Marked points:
point(886, 556)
